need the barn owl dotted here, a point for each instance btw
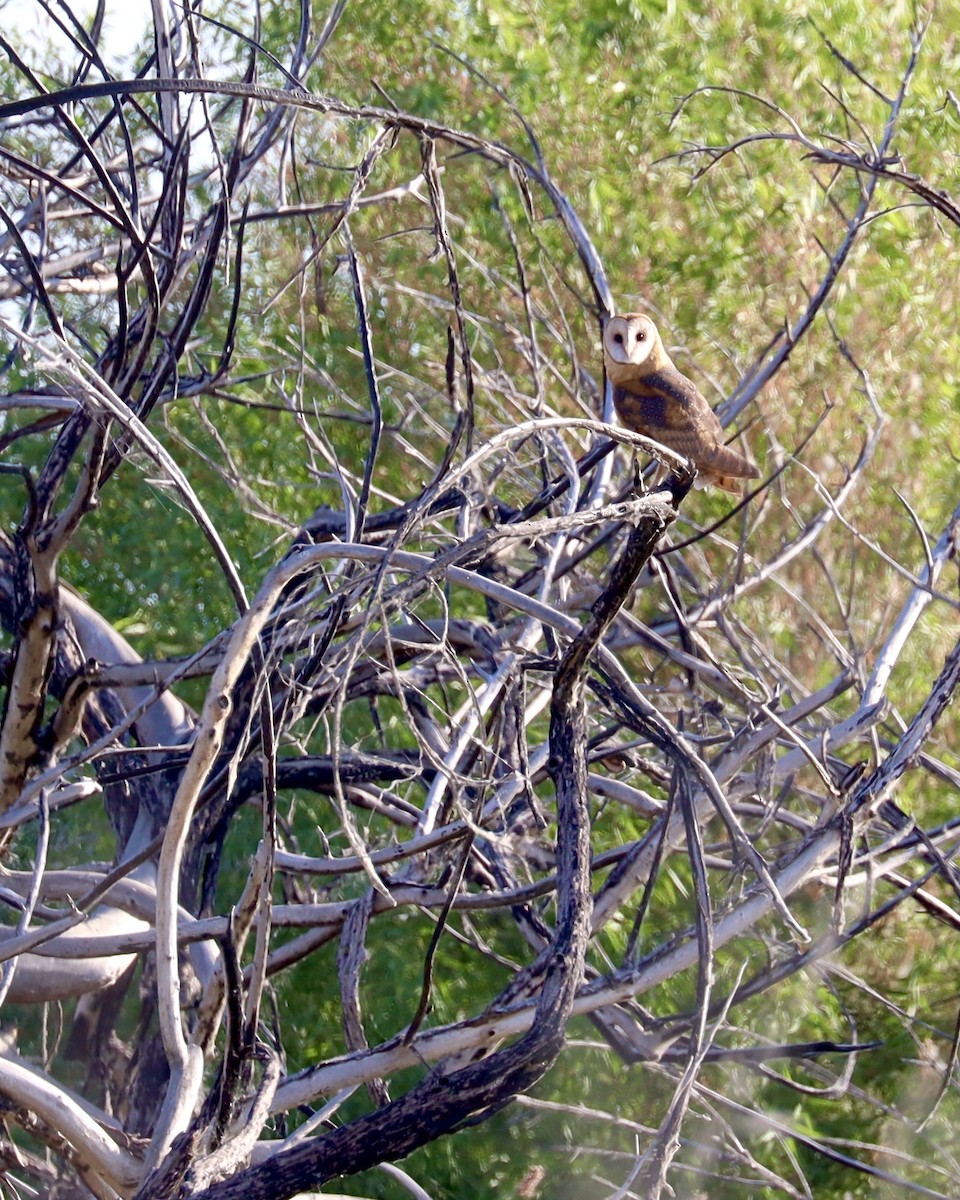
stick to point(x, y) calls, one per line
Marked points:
point(653, 398)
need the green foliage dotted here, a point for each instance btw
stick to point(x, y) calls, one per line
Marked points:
point(725, 260)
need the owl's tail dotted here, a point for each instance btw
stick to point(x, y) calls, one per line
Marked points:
point(727, 469)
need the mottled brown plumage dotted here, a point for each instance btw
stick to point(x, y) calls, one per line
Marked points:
point(653, 398)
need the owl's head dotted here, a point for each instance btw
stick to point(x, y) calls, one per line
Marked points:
point(630, 338)
point(629, 341)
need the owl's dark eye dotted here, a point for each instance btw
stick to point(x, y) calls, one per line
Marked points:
point(641, 337)
point(618, 338)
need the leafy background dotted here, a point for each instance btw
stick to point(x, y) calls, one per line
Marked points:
point(724, 261)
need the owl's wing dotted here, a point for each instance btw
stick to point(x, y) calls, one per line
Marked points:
point(666, 406)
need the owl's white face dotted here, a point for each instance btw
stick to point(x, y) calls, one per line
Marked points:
point(630, 339)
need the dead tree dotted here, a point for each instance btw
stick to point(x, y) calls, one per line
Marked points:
point(507, 693)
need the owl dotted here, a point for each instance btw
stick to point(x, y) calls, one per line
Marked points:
point(653, 398)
